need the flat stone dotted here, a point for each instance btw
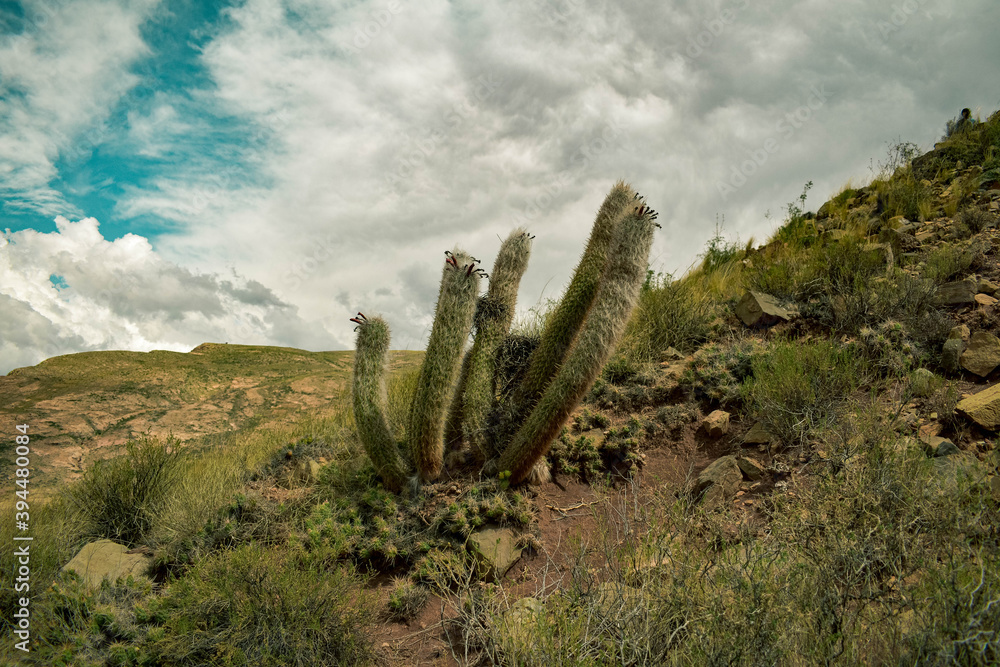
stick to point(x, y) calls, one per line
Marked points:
point(960, 332)
point(938, 446)
point(105, 558)
point(495, 551)
point(983, 408)
point(716, 424)
point(987, 287)
point(758, 435)
point(985, 300)
point(761, 310)
point(956, 293)
point(719, 482)
point(982, 355)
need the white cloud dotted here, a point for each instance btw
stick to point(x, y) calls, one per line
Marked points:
point(73, 290)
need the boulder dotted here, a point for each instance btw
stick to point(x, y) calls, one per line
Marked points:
point(495, 551)
point(716, 424)
point(961, 332)
point(761, 310)
point(105, 558)
point(938, 446)
point(957, 293)
point(718, 483)
point(922, 382)
point(983, 408)
point(985, 300)
point(982, 355)
point(987, 287)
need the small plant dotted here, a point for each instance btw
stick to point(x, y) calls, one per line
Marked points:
point(406, 599)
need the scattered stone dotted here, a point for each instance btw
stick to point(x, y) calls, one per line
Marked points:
point(928, 430)
point(982, 355)
point(716, 424)
point(751, 468)
point(520, 621)
point(105, 558)
point(985, 300)
point(956, 293)
point(983, 408)
point(987, 287)
point(951, 354)
point(758, 435)
point(938, 446)
point(495, 551)
point(961, 332)
point(719, 481)
point(922, 382)
point(926, 236)
point(761, 310)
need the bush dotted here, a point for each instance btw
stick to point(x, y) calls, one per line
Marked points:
point(669, 313)
point(264, 606)
point(796, 389)
point(121, 497)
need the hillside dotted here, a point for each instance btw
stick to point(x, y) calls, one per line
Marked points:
point(80, 405)
point(791, 458)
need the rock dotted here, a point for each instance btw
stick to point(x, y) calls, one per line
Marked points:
point(983, 408)
point(938, 446)
point(957, 293)
point(982, 355)
point(995, 487)
point(987, 287)
point(951, 354)
point(922, 381)
point(961, 332)
point(758, 435)
point(307, 472)
point(716, 424)
point(985, 300)
point(520, 621)
point(926, 236)
point(751, 468)
point(718, 483)
point(105, 558)
point(495, 551)
point(834, 235)
point(761, 310)
point(670, 354)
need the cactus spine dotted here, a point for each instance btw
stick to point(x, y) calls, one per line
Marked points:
point(613, 303)
point(452, 321)
point(493, 319)
point(370, 401)
point(565, 321)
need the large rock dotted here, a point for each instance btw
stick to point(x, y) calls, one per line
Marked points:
point(105, 558)
point(718, 483)
point(751, 468)
point(758, 435)
point(761, 310)
point(983, 408)
point(716, 424)
point(982, 355)
point(958, 293)
point(495, 551)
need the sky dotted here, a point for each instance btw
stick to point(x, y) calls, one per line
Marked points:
point(257, 172)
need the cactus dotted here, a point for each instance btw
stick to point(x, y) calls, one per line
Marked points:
point(452, 323)
point(370, 402)
point(511, 426)
point(616, 296)
point(474, 397)
point(565, 321)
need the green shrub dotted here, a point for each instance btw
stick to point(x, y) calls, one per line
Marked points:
point(121, 496)
point(797, 389)
point(261, 606)
point(406, 599)
point(950, 261)
point(670, 313)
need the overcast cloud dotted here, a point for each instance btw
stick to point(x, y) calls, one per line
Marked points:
point(261, 172)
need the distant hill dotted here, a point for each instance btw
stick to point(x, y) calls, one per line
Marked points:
point(77, 406)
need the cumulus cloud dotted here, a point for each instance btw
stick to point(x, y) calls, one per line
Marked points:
point(73, 290)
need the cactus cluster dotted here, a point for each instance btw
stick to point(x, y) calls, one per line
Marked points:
point(457, 402)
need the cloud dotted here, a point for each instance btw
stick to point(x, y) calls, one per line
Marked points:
point(122, 295)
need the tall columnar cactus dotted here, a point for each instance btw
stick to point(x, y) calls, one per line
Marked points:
point(566, 319)
point(616, 296)
point(578, 338)
point(370, 401)
point(452, 323)
point(494, 315)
